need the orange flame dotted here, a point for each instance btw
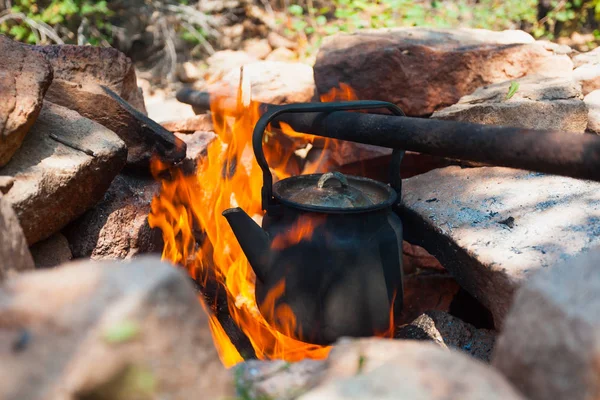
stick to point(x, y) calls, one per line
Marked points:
point(188, 212)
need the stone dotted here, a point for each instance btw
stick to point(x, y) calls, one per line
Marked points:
point(592, 101)
point(589, 57)
point(492, 227)
point(224, 61)
point(271, 82)
point(144, 138)
point(188, 72)
point(277, 379)
point(377, 368)
point(588, 75)
point(415, 258)
point(165, 108)
point(202, 122)
point(448, 331)
point(117, 227)
point(282, 54)
point(107, 331)
point(549, 347)
point(539, 103)
point(423, 70)
point(55, 183)
point(14, 254)
point(424, 292)
point(6, 182)
point(51, 252)
point(197, 144)
point(277, 41)
point(84, 65)
point(24, 79)
point(258, 48)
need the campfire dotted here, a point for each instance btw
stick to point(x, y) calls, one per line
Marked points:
point(266, 201)
point(196, 236)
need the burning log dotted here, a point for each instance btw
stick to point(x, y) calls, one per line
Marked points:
point(552, 152)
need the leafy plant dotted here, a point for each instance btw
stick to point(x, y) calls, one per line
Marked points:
point(75, 21)
point(514, 86)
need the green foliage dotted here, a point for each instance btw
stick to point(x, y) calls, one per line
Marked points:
point(350, 15)
point(123, 331)
point(514, 86)
point(27, 20)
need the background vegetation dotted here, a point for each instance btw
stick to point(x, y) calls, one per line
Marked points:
point(152, 31)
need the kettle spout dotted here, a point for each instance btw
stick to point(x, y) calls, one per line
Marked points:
point(253, 239)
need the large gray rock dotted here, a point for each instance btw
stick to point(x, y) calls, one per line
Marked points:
point(14, 254)
point(24, 79)
point(423, 70)
point(400, 369)
point(107, 331)
point(550, 345)
point(448, 331)
point(492, 227)
point(539, 103)
point(55, 183)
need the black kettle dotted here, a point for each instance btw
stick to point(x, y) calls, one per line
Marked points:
point(332, 240)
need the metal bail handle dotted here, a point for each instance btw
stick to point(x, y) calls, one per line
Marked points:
point(275, 111)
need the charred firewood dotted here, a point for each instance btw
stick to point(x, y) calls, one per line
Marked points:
point(215, 297)
point(144, 137)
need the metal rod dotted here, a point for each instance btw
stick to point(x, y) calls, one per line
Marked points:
point(559, 153)
point(553, 152)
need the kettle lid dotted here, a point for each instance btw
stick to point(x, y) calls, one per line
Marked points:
point(333, 192)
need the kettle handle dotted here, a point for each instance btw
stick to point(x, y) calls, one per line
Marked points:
point(275, 111)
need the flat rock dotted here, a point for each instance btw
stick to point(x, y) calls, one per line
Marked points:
point(550, 345)
point(282, 54)
point(202, 122)
point(51, 252)
point(423, 70)
point(271, 82)
point(588, 75)
point(55, 183)
point(403, 369)
point(189, 72)
point(197, 144)
point(539, 103)
point(448, 331)
point(224, 61)
point(492, 227)
point(107, 331)
point(277, 41)
point(258, 48)
point(277, 379)
point(24, 79)
point(117, 227)
point(588, 57)
point(14, 254)
point(144, 138)
point(92, 64)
